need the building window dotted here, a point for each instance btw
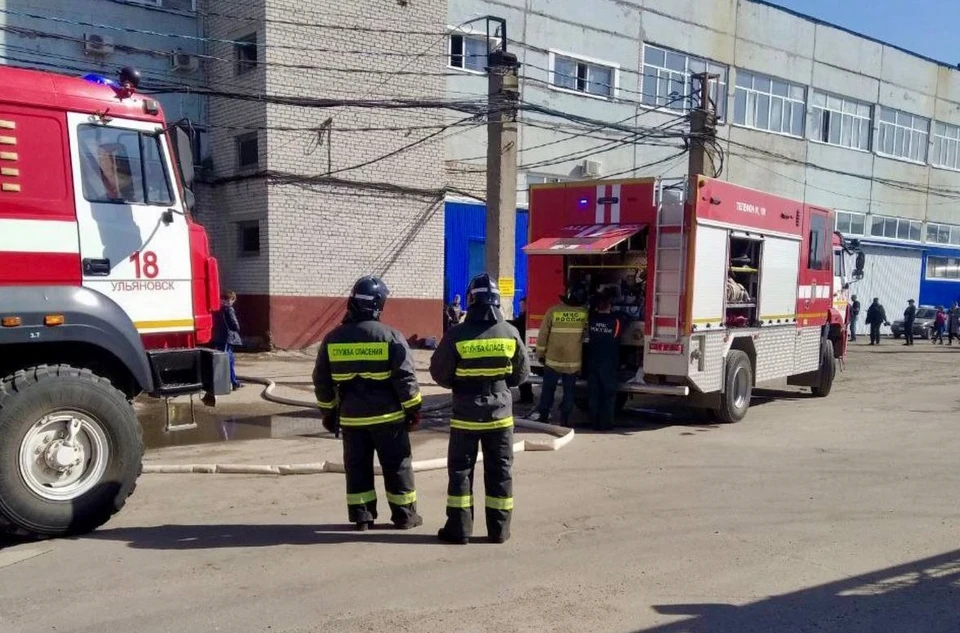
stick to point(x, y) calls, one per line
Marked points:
point(248, 237)
point(668, 80)
point(943, 234)
point(851, 223)
point(946, 145)
point(769, 104)
point(841, 121)
point(895, 228)
point(248, 150)
point(943, 268)
point(119, 166)
point(468, 52)
point(580, 75)
point(245, 53)
point(903, 135)
point(817, 255)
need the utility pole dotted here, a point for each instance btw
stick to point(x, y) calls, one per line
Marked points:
point(703, 129)
point(502, 99)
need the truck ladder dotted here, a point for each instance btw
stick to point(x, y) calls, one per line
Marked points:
point(669, 258)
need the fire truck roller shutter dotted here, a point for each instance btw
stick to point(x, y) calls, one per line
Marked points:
point(584, 240)
point(88, 318)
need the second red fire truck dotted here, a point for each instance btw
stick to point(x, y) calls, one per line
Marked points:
point(727, 287)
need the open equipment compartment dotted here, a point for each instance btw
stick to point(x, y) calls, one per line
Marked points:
point(744, 274)
point(622, 268)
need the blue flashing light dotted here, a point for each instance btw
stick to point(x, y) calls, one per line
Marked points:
point(103, 81)
point(583, 202)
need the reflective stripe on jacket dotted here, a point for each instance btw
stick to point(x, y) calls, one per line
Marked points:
point(561, 338)
point(479, 361)
point(366, 370)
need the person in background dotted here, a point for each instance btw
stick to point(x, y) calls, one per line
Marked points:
point(226, 332)
point(520, 322)
point(604, 331)
point(909, 318)
point(452, 314)
point(953, 323)
point(876, 316)
point(939, 326)
point(854, 315)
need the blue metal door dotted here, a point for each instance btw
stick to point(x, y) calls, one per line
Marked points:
point(476, 256)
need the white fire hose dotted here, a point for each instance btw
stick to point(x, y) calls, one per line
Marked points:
point(561, 437)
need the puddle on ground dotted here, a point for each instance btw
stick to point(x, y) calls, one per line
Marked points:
point(219, 426)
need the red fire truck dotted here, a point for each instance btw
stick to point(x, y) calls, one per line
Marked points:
point(107, 287)
point(727, 287)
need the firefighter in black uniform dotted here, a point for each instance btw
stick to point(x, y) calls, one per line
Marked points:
point(480, 360)
point(366, 387)
point(605, 332)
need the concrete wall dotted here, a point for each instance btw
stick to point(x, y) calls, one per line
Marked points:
point(229, 204)
point(739, 34)
point(318, 237)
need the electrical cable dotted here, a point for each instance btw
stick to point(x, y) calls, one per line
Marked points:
point(280, 22)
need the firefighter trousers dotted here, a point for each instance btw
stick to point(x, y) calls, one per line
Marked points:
point(497, 446)
point(602, 397)
point(391, 442)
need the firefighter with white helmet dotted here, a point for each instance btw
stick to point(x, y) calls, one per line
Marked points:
point(480, 360)
point(366, 386)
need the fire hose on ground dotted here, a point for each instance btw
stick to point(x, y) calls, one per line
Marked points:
point(561, 437)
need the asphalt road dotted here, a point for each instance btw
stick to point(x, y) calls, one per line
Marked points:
point(836, 516)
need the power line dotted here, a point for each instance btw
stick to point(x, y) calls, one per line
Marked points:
point(279, 22)
point(33, 33)
point(894, 184)
point(198, 38)
point(744, 157)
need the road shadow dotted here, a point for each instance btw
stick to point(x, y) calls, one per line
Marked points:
point(203, 537)
point(9, 540)
point(764, 396)
point(922, 596)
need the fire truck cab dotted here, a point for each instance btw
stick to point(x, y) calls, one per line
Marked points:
point(725, 287)
point(107, 286)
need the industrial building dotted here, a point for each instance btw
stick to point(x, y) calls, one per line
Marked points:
point(301, 196)
point(809, 110)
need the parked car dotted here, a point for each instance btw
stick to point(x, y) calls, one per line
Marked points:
point(922, 326)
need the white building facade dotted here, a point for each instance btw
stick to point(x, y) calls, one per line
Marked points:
point(809, 111)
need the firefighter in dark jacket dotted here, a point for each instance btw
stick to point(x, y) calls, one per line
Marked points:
point(367, 388)
point(604, 332)
point(480, 360)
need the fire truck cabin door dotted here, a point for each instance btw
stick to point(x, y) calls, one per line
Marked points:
point(134, 239)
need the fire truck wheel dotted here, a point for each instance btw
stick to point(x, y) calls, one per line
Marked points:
point(828, 370)
point(738, 388)
point(70, 451)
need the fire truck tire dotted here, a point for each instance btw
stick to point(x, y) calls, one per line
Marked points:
point(738, 388)
point(71, 451)
point(828, 370)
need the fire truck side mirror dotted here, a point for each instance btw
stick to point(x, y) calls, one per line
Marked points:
point(189, 200)
point(185, 156)
point(858, 266)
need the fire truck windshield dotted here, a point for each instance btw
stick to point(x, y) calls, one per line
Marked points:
point(123, 166)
